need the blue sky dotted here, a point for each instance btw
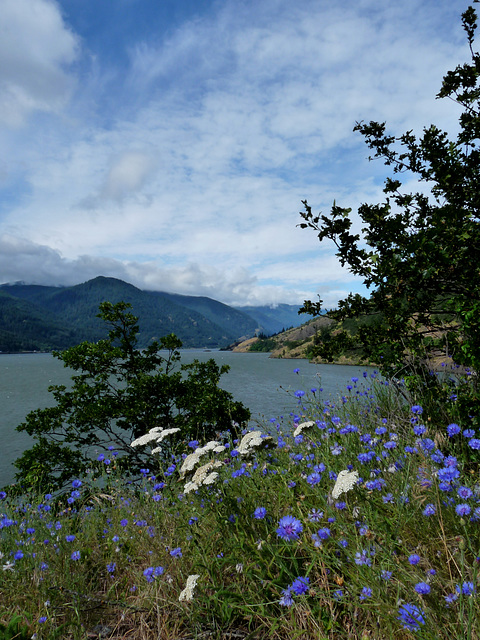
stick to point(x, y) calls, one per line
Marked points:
point(170, 142)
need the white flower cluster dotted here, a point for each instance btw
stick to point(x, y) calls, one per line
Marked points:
point(346, 480)
point(187, 593)
point(192, 460)
point(253, 441)
point(203, 475)
point(303, 426)
point(155, 435)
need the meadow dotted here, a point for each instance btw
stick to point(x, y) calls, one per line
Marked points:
point(356, 519)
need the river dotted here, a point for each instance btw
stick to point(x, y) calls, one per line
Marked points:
point(265, 385)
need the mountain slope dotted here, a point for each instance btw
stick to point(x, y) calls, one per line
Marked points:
point(39, 317)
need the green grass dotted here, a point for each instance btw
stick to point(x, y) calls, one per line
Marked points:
point(346, 569)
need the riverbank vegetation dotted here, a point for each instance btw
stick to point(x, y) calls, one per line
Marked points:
point(354, 519)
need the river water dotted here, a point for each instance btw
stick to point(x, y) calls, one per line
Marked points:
point(265, 385)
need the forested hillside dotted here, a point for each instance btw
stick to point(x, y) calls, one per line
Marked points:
point(39, 318)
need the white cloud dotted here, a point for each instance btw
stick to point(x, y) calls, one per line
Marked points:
point(35, 48)
point(193, 176)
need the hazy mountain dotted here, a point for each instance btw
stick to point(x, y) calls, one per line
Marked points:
point(273, 319)
point(34, 317)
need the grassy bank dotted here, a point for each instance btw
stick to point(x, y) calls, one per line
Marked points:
point(358, 519)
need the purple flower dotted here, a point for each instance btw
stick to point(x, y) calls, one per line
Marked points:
point(453, 429)
point(422, 588)
point(462, 509)
point(286, 600)
point(259, 513)
point(361, 558)
point(411, 617)
point(323, 533)
point(76, 484)
point(474, 443)
point(417, 409)
point(111, 567)
point(75, 555)
point(467, 588)
point(315, 516)
point(289, 528)
point(176, 553)
point(314, 478)
point(414, 559)
point(366, 593)
point(300, 586)
point(464, 493)
point(70, 538)
point(18, 555)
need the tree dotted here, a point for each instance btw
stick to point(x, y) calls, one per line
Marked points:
point(119, 394)
point(418, 254)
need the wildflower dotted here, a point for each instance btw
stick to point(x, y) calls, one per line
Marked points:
point(187, 593)
point(452, 430)
point(3, 495)
point(289, 528)
point(414, 559)
point(346, 480)
point(303, 426)
point(467, 589)
point(474, 443)
point(259, 513)
point(422, 588)
point(314, 478)
point(18, 555)
point(176, 553)
point(76, 484)
point(411, 617)
point(462, 509)
point(361, 558)
point(300, 586)
point(417, 409)
point(385, 575)
point(315, 516)
point(336, 450)
point(324, 533)
point(366, 593)
point(286, 600)
point(464, 493)
point(111, 567)
point(75, 555)
point(239, 567)
point(70, 538)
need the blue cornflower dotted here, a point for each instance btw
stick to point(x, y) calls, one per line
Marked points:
point(468, 433)
point(176, 553)
point(70, 538)
point(411, 617)
point(463, 509)
point(464, 493)
point(148, 573)
point(315, 516)
point(419, 429)
point(453, 429)
point(366, 593)
point(18, 555)
point(467, 589)
point(414, 559)
point(422, 588)
point(474, 443)
point(300, 586)
point(76, 484)
point(314, 478)
point(324, 533)
point(299, 394)
point(286, 600)
point(111, 567)
point(385, 575)
point(259, 513)
point(417, 409)
point(361, 558)
point(75, 555)
point(289, 528)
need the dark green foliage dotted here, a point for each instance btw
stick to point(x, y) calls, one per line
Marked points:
point(118, 393)
point(43, 318)
point(419, 255)
point(263, 344)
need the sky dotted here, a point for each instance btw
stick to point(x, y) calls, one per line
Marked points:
point(170, 143)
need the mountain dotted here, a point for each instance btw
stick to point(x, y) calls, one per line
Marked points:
point(34, 317)
point(276, 318)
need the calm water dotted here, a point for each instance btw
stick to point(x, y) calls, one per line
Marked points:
point(266, 386)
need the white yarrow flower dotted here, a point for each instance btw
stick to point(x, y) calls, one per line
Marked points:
point(142, 441)
point(346, 480)
point(187, 593)
point(304, 425)
point(252, 441)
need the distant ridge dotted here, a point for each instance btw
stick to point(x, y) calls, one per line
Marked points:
point(39, 318)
